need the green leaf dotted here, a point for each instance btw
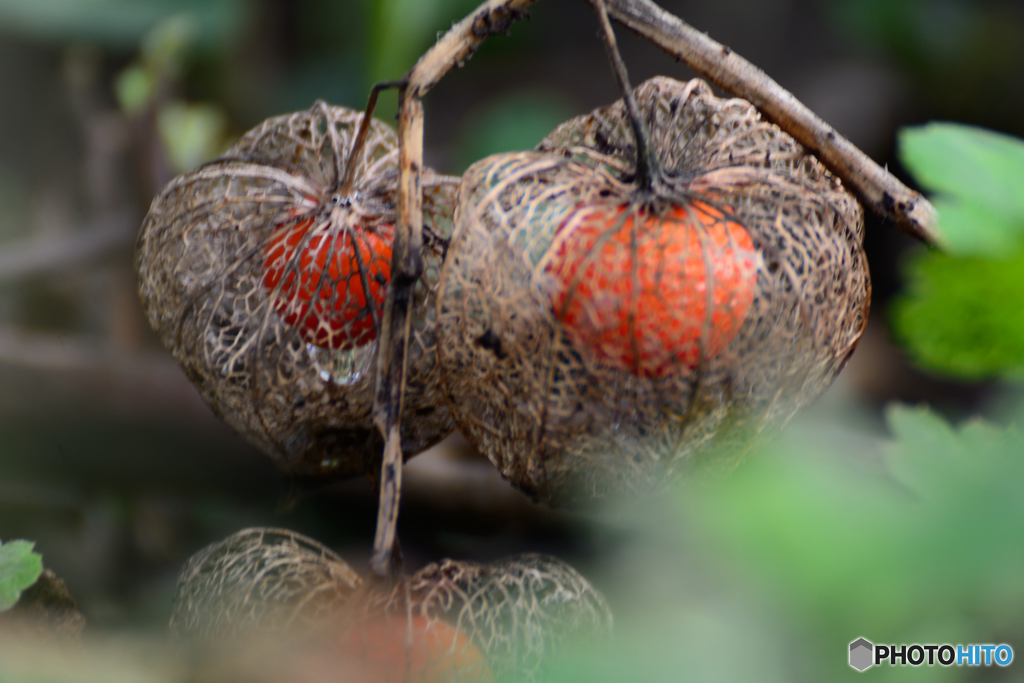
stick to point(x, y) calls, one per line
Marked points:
point(515, 121)
point(979, 175)
point(134, 88)
point(192, 133)
point(963, 317)
point(973, 229)
point(402, 29)
point(844, 548)
point(934, 460)
point(19, 569)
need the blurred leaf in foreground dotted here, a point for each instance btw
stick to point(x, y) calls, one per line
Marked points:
point(19, 569)
point(814, 543)
point(929, 555)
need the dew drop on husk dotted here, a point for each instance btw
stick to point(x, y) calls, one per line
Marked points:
point(342, 366)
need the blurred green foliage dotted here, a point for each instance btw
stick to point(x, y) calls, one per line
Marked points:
point(811, 548)
point(401, 30)
point(19, 569)
point(964, 316)
point(922, 32)
point(963, 58)
point(963, 312)
point(117, 23)
point(191, 133)
point(979, 175)
point(515, 121)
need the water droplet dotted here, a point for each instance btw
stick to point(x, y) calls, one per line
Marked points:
point(342, 366)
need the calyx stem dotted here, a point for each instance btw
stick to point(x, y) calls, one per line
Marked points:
point(345, 186)
point(648, 170)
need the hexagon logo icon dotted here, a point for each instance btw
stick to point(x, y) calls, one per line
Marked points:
point(861, 654)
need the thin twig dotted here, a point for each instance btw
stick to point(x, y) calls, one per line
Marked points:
point(457, 45)
point(646, 161)
point(355, 154)
point(137, 382)
point(878, 188)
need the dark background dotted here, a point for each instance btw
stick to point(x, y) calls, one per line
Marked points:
point(108, 458)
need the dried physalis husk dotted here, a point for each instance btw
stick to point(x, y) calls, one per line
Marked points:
point(597, 339)
point(259, 581)
point(272, 605)
point(265, 278)
point(519, 612)
point(268, 602)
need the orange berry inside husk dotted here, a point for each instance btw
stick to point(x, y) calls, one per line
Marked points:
point(323, 289)
point(652, 292)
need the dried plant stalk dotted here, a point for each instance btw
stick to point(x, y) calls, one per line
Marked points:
point(264, 271)
point(459, 43)
point(559, 416)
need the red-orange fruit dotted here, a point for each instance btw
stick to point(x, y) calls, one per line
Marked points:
point(323, 287)
point(653, 294)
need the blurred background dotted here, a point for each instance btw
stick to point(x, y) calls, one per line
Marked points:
point(112, 464)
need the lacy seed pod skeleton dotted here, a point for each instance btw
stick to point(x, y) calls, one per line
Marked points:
point(519, 610)
point(750, 262)
point(256, 579)
point(264, 274)
point(453, 620)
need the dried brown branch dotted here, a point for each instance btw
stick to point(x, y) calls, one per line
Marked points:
point(143, 382)
point(40, 255)
point(878, 188)
point(407, 265)
point(458, 44)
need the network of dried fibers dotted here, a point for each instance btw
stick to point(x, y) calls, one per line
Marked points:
point(273, 589)
point(259, 580)
point(564, 425)
point(201, 263)
point(519, 611)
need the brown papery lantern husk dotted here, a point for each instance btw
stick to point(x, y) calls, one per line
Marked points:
point(282, 345)
point(569, 422)
point(266, 599)
point(259, 580)
point(520, 612)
